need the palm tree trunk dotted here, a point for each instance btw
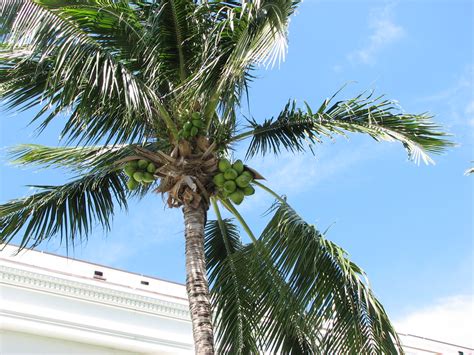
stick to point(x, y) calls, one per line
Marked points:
point(196, 280)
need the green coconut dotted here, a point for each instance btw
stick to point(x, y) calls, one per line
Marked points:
point(219, 180)
point(194, 131)
point(151, 168)
point(237, 197)
point(187, 126)
point(142, 164)
point(147, 177)
point(249, 174)
point(186, 134)
point(242, 180)
point(196, 116)
point(138, 176)
point(132, 184)
point(230, 174)
point(224, 164)
point(129, 170)
point(133, 163)
point(238, 166)
point(229, 186)
point(198, 123)
point(248, 190)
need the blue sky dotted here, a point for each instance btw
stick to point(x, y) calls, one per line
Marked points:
point(409, 227)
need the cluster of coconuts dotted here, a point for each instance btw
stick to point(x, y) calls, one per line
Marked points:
point(139, 172)
point(233, 181)
point(192, 127)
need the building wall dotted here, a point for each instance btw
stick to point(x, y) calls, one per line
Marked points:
point(27, 343)
point(65, 307)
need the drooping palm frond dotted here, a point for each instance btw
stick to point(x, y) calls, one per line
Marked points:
point(307, 296)
point(233, 314)
point(70, 65)
point(69, 211)
point(295, 129)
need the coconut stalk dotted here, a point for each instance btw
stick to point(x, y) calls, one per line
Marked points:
point(197, 285)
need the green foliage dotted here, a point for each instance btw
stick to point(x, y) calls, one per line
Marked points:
point(294, 128)
point(297, 291)
point(70, 211)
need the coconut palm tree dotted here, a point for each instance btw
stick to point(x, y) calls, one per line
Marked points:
point(148, 94)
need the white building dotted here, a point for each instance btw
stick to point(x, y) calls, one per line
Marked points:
point(54, 305)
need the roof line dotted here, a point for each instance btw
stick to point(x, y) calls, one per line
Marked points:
point(96, 264)
point(436, 341)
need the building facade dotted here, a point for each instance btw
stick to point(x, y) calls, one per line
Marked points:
point(50, 304)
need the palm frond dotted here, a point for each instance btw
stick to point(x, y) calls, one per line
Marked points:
point(241, 36)
point(231, 302)
point(77, 159)
point(469, 171)
point(307, 296)
point(70, 211)
point(71, 66)
point(170, 46)
point(295, 129)
point(337, 298)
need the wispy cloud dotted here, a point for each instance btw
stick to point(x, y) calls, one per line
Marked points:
point(457, 100)
point(448, 319)
point(384, 31)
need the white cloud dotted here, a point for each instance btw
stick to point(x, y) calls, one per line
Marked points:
point(448, 319)
point(384, 32)
point(457, 100)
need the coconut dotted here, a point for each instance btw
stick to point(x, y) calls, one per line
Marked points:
point(147, 177)
point(132, 184)
point(151, 168)
point(219, 180)
point(198, 123)
point(133, 163)
point(129, 170)
point(237, 197)
point(224, 164)
point(187, 126)
point(242, 181)
point(142, 163)
point(249, 174)
point(238, 166)
point(194, 131)
point(230, 174)
point(196, 116)
point(229, 186)
point(138, 176)
point(248, 190)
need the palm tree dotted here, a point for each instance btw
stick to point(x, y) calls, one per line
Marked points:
point(160, 81)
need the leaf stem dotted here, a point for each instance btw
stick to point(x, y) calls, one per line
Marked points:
point(227, 204)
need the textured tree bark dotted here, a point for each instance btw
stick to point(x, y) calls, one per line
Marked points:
point(196, 280)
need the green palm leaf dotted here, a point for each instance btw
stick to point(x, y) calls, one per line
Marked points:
point(77, 159)
point(295, 129)
point(307, 297)
point(69, 211)
point(232, 304)
point(80, 72)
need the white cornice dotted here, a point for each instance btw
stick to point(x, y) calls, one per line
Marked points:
point(46, 283)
